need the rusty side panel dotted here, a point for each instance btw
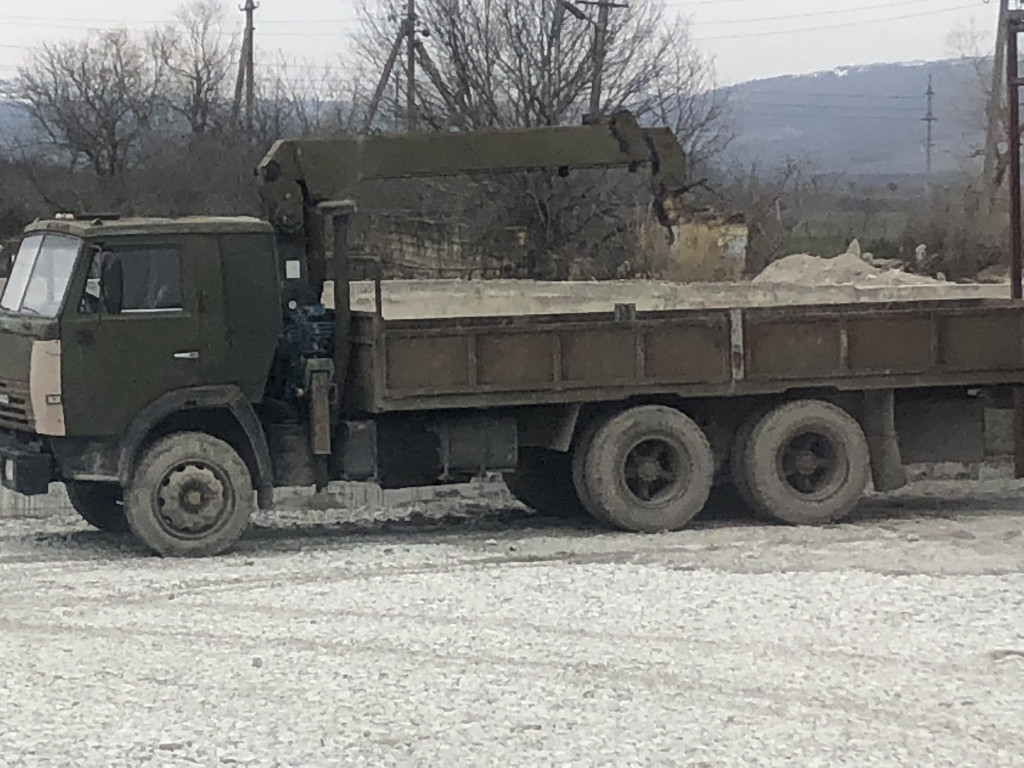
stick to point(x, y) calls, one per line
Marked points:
point(874, 347)
point(792, 349)
point(980, 342)
point(515, 360)
point(606, 355)
point(509, 361)
point(437, 363)
point(688, 352)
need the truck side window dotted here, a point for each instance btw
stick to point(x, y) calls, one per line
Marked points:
point(90, 303)
point(142, 280)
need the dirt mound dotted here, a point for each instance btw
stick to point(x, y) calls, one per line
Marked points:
point(845, 269)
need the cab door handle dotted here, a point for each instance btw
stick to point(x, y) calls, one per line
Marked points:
point(186, 355)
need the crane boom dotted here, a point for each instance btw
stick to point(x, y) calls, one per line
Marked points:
point(305, 183)
point(298, 174)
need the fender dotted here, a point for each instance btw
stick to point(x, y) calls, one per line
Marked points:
point(226, 397)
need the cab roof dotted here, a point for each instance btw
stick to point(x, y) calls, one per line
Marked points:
point(189, 225)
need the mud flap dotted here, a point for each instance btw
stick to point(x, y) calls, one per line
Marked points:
point(887, 470)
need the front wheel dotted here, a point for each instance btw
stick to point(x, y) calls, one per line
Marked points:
point(191, 495)
point(648, 469)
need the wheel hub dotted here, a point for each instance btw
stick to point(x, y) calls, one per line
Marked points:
point(652, 469)
point(648, 470)
point(810, 463)
point(191, 498)
point(805, 463)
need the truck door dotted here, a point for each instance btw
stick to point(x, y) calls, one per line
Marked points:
point(133, 336)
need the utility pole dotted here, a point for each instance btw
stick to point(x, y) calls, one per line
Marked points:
point(991, 175)
point(1014, 26)
point(406, 34)
point(246, 69)
point(929, 145)
point(553, 64)
point(604, 8)
point(410, 65)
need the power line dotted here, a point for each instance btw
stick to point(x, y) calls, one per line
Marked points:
point(861, 22)
point(837, 94)
point(73, 23)
point(737, 36)
point(814, 14)
point(820, 105)
point(64, 21)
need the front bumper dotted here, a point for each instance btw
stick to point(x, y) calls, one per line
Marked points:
point(27, 469)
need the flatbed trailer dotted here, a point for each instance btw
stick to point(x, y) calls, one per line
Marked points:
point(488, 362)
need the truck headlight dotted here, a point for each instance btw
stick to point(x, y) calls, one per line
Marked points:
point(9, 470)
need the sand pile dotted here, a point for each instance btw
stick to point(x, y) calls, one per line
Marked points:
point(845, 269)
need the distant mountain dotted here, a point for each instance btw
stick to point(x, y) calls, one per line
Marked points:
point(12, 118)
point(862, 120)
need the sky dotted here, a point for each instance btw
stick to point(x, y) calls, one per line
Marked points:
point(749, 39)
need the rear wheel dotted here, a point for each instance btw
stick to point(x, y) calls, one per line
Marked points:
point(648, 469)
point(191, 495)
point(738, 471)
point(543, 481)
point(579, 468)
point(807, 463)
point(99, 504)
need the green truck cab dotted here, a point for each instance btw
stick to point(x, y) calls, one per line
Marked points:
point(114, 331)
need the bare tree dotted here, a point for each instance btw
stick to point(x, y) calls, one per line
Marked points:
point(524, 63)
point(93, 99)
point(314, 99)
point(685, 98)
point(773, 204)
point(510, 63)
point(196, 53)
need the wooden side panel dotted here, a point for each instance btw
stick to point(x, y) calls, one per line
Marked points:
point(891, 344)
point(599, 357)
point(687, 353)
point(515, 359)
point(787, 349)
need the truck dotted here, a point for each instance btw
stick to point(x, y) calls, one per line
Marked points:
point(172, 373)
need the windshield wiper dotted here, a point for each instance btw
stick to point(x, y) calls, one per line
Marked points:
point(30, 311)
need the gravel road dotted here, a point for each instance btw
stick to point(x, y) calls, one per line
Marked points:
point(896, 639)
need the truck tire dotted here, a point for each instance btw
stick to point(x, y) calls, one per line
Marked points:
point(649, 469)
point(99, 504)
point(738, 471)
point(807, 463)
point(190, 495)
point(579, 469)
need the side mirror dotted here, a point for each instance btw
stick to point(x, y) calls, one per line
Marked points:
point(112, 285)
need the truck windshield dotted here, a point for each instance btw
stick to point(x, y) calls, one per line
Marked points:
point(40, 275)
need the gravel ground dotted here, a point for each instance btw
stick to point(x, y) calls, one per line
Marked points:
point(505, 639)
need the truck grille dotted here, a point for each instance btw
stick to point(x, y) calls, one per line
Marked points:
point(15, 407)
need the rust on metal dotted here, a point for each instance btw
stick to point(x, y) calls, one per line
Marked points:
point(530, 360)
